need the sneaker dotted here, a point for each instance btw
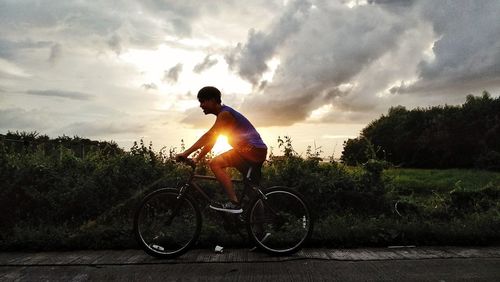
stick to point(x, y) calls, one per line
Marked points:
point(262, 241)
point(227, 207)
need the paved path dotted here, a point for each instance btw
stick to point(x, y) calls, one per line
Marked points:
point(127, 257)
point(396, 264)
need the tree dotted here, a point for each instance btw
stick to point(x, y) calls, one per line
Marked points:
point(435, 137)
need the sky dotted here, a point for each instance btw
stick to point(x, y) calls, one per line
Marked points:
point(318, 71)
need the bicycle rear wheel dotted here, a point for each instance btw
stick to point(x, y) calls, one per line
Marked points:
point(281, 223)
point(165, 226)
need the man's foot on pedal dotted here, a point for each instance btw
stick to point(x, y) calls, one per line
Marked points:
point(229, 207)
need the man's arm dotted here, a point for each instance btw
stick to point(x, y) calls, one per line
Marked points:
point(207, 148)
point(207, 139)
point(224, 122)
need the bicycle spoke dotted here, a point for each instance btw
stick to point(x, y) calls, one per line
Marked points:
point(167, 226)
point(281, 223)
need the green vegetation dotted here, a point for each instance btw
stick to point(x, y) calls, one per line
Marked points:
point(465, 136)
point(421, 180)
point(60, 198)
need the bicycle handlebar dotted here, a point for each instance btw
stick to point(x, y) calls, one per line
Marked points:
point(188, 161)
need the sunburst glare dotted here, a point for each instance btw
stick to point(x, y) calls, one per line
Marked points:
point(221, 145)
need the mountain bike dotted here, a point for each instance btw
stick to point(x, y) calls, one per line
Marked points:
point(168, 221)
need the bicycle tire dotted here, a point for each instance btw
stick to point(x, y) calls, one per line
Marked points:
point(280, 224)
point(165, 226)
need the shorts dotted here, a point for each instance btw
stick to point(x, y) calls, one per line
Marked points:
point(245, 157)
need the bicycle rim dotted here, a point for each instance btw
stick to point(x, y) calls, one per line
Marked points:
point(280, 224)
point(165, 226)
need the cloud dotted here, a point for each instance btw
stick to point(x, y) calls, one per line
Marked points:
point(115, 43)
point(104, 128)
point(196, 118)
point(206, 64)
point(348, 62)
point(172, 75)
point(393, 3)
point(150, 86)
point(60, 93)
point(97, 25)
point(331, 48)
point(379, 50)
point(9, 69)
point(55, 53)
point(58, 123)
point(179, 13)
point(8, 48)
point(466, 50)
point(250, 59)
point(21, 119)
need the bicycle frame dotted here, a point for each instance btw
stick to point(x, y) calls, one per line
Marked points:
point(192, 183)
point(247, 186)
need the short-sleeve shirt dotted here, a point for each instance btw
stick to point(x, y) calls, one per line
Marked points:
point(244, 133)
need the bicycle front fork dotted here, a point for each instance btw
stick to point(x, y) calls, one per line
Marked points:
point(259, 193)
point(182, 190)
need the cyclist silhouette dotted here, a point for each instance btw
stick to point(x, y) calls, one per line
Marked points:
point(248, 148)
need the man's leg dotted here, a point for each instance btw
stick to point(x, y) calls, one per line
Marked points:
point(218, 166)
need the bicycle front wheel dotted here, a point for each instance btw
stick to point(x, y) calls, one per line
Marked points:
point(280, 222)
point(166, 226)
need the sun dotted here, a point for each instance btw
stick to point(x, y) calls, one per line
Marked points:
point(221, 145)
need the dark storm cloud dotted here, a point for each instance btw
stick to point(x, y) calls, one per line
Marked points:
point(62, 94)
point(250, 59)
point(334, 46)
point(468, 47)
point(382, 47)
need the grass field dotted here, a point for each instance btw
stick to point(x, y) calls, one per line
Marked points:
point(429, 207)
point(442, 180)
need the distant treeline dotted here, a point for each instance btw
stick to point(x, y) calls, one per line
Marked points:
point(465, 136)
point(23, 142)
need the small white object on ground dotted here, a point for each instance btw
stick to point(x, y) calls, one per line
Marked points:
point(219, 249)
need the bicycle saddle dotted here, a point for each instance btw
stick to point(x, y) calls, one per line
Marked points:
point(254, 174)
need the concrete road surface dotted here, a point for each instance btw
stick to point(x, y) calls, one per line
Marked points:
point(381, 264)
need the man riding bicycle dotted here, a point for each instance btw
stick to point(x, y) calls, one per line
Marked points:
point(248, 148)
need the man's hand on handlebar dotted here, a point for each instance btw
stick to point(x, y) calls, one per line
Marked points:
point(184, 158)
point(181, 157)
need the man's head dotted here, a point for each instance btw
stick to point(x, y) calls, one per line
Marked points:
point(208, 93)
point(209, 98)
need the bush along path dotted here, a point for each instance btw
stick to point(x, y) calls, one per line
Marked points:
point(66, 201)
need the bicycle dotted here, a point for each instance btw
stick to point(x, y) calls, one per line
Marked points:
point(168, 221)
